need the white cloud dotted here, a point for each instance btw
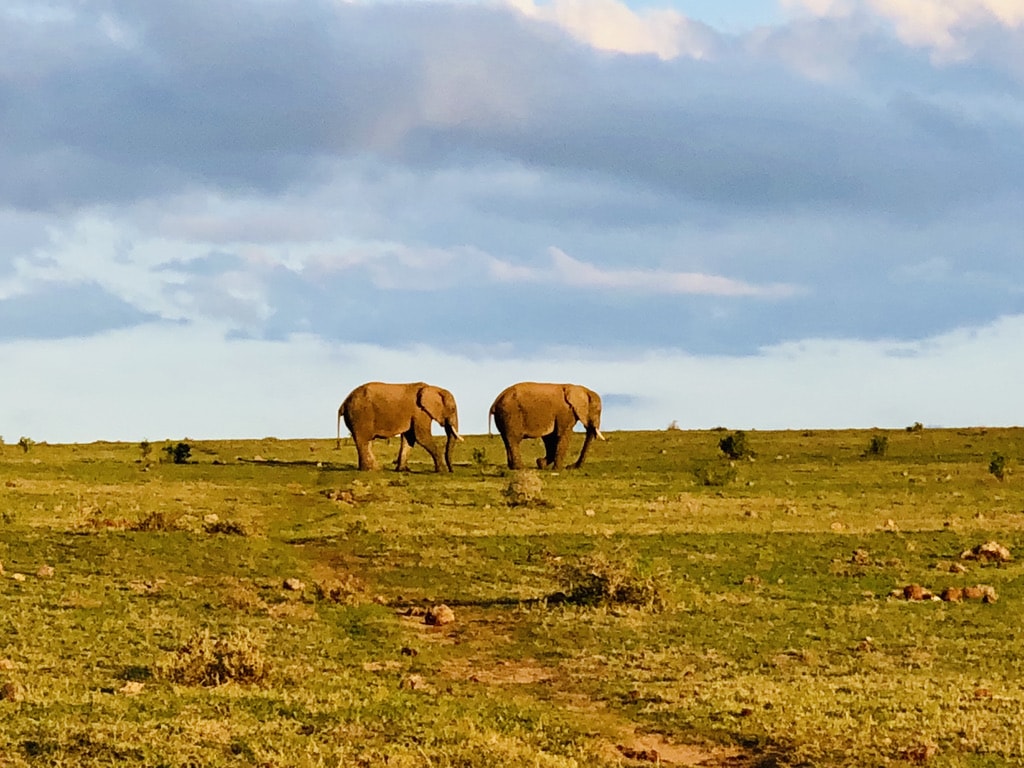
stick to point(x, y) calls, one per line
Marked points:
point(173, 381)
point(611, 25)
point(935, 24)
point(566, 270)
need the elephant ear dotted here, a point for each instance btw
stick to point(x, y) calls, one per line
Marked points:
point(579, 400)
point(431, 401)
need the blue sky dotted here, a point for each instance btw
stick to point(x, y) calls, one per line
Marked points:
point(216, 219)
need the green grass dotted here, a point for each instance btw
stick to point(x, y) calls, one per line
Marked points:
point(770, 642)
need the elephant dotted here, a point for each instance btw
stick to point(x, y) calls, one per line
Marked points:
point(547, 411)
point(379, 410)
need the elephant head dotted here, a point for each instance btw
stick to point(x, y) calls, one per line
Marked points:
point(586, 407)
point(440, 406)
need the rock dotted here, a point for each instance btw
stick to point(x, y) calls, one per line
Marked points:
point(11, 691)
point(439, 615)
point(45, 572)
point(920, 753)
point(957, 568)
point(861, 557)
point(1, 569)
point(18, 576)
point(973, 593)
point(293, 585)
point(131, 688)
point(989, 552)
point(916, 592)
point(414, 683)
point(952, 594)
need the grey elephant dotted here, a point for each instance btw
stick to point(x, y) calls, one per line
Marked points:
point(548, 411)
point(379, 410)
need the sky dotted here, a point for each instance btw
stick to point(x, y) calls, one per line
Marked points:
point(217, 219)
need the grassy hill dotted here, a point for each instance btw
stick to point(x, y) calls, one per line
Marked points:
point(262, 603)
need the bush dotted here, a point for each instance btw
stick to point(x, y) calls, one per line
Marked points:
point(524, 489)
point(180, 453)
point(997, 466)
point(480, 457)
point(208, 661)
point(596, 580)
point(157, 521)
point(917, 426)
point(145, 448)
point(26, 443)
point(878, 446)
point(715, 474)
point(735, 445)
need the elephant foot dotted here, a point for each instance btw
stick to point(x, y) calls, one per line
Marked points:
point(542, 463)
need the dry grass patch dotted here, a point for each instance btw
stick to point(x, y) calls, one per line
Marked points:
point(210, 661)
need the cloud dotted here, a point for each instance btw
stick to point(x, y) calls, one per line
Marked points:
point(611, 25)
point(160, 379)
point(945, 27)
point(571, 272)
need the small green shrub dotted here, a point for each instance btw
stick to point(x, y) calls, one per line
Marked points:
point(180, 453)
point(735, 445)
point(26, 443)
point(878, 445)
point(145, 448)
point(225, 527)
point(673, 426)
point(157, 521)
point(917, 426)
point(715, 474)
point(208, 661)
point(524, 489)
point(997, 466)
point(480, 457)
point(596, 580)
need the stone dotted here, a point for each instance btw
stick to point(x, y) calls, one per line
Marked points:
point(293, 585)
point(45, 572)
point(439, 615)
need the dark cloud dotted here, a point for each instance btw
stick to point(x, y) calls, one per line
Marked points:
point(141, 99)
point(65, 310)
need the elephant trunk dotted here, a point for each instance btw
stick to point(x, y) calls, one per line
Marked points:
point(451, 429)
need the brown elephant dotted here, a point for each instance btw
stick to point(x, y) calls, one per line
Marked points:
point(378, 410)
point(547, 411)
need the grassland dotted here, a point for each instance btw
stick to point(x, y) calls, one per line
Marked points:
point(765, 633)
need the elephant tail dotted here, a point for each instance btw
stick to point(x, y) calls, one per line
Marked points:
point(341, 410)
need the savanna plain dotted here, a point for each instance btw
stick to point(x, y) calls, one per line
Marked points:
point(221, 603)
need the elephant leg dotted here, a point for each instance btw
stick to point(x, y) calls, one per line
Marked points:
point(515, 460)
point(367, 461)
point(421, 433)
point(405, 443)
point(561, 447)
point(550, 452)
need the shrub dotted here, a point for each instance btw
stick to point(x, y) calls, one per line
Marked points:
point(26, 443)
point(673, 426)
point(226, 527)
point(180, 453)
point(480, 457)
point(735, 445)
point(157, 521)
point(596, 580)
point(878, 446)
point(524, 489)
point(997, 466)
point(145, 448)
point(917, 426)
point(715, 474)
point(208, 661)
